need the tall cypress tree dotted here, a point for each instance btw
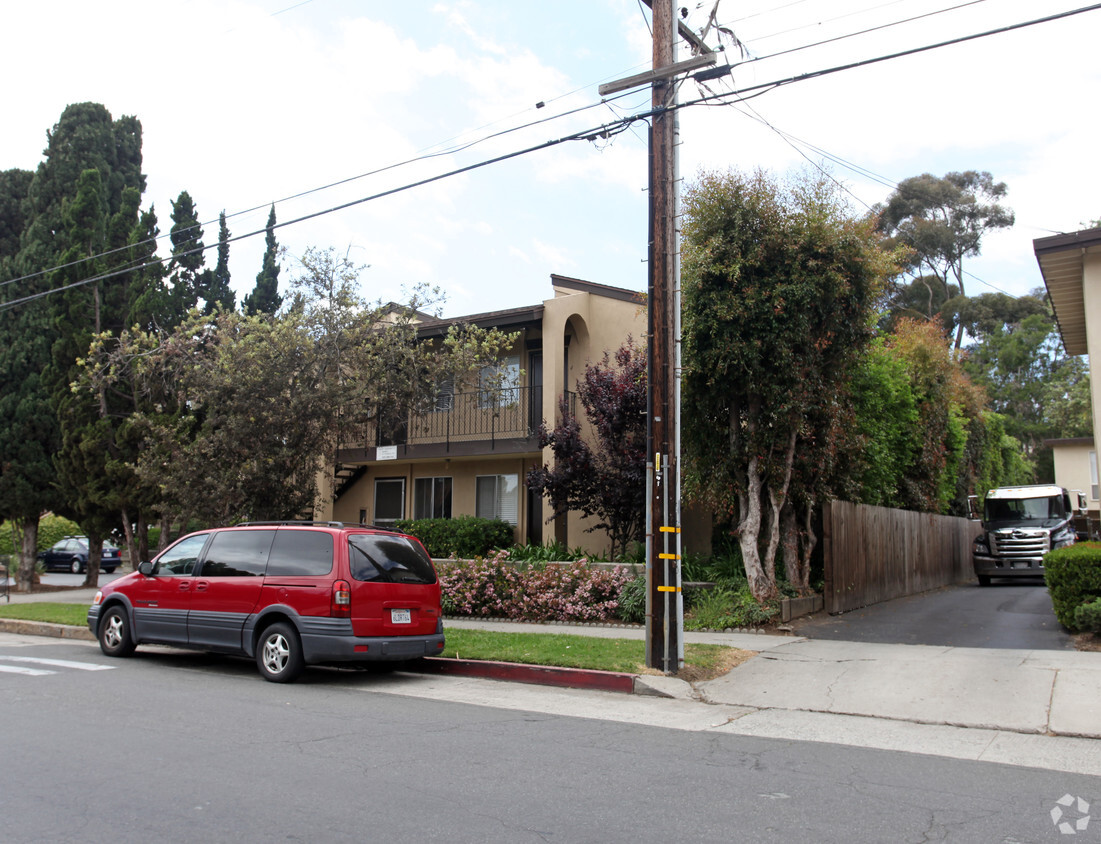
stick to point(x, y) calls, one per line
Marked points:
point(265, 298)
point(216, 291)
point(185, 268)
point(61, 202)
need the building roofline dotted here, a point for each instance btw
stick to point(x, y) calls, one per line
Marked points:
point(510, 318)
point(1069, 441)
point(529, 314)
point(581, 286)
point(1061, 265)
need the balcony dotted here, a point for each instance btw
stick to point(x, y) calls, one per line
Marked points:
point(479, 422)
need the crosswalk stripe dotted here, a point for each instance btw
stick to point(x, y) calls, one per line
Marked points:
point(58, 663)
point(15, 669)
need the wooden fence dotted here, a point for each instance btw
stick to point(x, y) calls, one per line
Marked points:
point(874, 554)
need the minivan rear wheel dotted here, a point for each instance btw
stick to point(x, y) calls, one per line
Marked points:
point(279, 653)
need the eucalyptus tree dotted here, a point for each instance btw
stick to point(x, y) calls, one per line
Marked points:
point(942, 221)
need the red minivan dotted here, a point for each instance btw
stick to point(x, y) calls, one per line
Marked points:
point(288, 594)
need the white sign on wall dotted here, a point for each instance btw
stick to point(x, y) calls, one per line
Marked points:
point(386, 452)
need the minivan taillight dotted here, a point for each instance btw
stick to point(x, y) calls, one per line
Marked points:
point(341, 606)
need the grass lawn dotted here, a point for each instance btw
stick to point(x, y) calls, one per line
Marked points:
point(559, 649)
point(569, 651)
point(55, 613)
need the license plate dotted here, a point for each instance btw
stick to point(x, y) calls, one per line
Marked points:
point(401, 617)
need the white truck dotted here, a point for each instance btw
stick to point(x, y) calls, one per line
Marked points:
point(1019, 525)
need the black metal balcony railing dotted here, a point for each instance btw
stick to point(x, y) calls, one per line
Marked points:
point(479, 416)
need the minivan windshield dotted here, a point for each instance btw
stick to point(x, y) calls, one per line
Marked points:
point(391, 559)
point(1019, 509)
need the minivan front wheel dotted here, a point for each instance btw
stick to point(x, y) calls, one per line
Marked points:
point(279, 653)
point(114, 633)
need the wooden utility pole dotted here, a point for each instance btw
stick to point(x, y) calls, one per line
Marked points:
point(663, 621)
point(664, 605)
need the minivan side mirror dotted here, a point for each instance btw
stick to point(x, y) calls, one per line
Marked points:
point(146, 568)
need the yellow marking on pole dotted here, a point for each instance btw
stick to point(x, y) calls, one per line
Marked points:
point(668, 556)
point(668, 588)
point(667, 529)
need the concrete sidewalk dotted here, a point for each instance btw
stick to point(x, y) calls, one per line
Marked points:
point(1030, 692)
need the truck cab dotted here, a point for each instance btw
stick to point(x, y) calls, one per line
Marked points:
point(1019, 525)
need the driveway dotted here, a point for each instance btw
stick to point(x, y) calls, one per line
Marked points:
point(1005, 615)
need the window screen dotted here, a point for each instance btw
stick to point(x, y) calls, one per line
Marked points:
point(497, 497)
point(301, 553)
point(237, 553)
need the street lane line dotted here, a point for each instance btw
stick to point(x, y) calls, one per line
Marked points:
point(15, 669)
point(58, 663)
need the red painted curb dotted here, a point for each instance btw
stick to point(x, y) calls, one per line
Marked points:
point(543, 675)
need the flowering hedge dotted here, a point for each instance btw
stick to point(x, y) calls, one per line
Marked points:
point(494, 588)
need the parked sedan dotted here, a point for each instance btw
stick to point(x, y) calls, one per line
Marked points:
point(71, 554)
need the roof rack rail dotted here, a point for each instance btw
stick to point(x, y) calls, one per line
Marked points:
point(307, 523)
point(276, 522)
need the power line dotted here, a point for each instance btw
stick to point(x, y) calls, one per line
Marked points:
point(603, 132)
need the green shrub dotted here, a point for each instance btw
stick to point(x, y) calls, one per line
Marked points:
point(1073, 577)
point(50, 530)
point(723, 607)
point(1088, 616)
point(632, 600)
point(551, 552)
point(466, 537)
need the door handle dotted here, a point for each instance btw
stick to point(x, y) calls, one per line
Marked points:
point(201, 586)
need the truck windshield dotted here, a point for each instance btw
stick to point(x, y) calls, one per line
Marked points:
point(1018, 509)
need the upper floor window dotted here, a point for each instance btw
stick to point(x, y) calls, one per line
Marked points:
point(445, 396)
point(499, 384)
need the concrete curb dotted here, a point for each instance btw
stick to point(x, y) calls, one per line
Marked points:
point(43, 628)
point(543, 675)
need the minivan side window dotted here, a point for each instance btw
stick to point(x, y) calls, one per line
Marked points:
point(179, 560)
point(237, 553)
point(301, 553)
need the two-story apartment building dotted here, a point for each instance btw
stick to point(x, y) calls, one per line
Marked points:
point(469, 452)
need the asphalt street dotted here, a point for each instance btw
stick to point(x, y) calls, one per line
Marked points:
point(178, 746)
point(1007, 614)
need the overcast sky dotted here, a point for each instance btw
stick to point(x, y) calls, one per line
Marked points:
point(248, 103)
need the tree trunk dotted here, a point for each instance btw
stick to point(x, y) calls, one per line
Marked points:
point(810, 540)
point(749, 532)
point(28, 553)
point(128, 533)
point(790, 543)
point(777, 501)
point(95, 557)
point(143, 541)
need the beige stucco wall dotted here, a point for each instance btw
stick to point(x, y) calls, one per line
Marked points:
point(463, 474)
point(591, 324)
point(1072, 469)
point(1091, 294)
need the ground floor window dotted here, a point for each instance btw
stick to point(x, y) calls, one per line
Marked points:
point(389, 501)
point(497, 497)
point(432, 498)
